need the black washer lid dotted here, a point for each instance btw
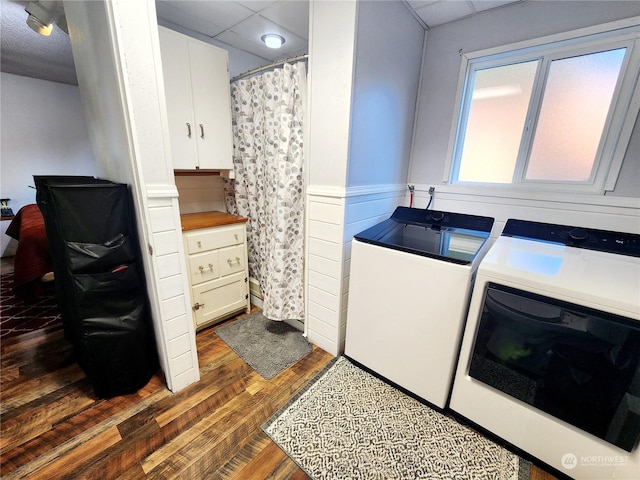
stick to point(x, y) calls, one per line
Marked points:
point(447, 236)
point(578, 237)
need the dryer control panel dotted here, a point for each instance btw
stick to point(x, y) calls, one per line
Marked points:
point(587, 238)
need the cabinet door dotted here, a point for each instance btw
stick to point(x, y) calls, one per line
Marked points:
point(178, 93)
point(212, 105)
point(217, 298)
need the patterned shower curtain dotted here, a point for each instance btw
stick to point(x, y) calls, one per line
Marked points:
point(268, 187)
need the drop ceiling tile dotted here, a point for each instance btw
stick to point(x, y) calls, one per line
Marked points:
point(421, 3)
point(442, 12)
point(296, 53)
point(223, 13)
point(257, 5)
point(292, 15)
point(168, 13)
point(481, 5)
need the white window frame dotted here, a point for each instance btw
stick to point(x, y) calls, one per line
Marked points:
point(620, 120)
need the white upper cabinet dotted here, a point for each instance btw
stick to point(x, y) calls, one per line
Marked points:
point(196, 77)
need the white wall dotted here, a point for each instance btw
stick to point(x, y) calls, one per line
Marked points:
point(492, 28)
point(387, 74)
point(117, 54)
point(201, 193)
point(331, 57)
point(361, 117)
point(43, 133)
point(441, 67)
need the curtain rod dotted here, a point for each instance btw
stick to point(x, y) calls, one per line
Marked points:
point(270, 66)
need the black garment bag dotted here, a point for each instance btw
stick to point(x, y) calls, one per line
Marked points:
point(99, 281)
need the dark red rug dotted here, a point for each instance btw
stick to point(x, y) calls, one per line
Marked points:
point(19, 315)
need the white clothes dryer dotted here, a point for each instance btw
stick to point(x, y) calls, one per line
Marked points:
point(550, 359)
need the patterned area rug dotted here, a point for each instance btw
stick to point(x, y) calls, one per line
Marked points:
point(350, 424)
point(267, 346)
point(18, 316)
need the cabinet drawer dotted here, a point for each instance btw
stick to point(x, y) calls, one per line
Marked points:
point(218, 298)
point(203, 267)
point(232, 260)
point(211, 239)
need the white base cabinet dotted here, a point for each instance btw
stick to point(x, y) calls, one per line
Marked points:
point(218, 275)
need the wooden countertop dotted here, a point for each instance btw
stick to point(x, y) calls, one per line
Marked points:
point(193, 221)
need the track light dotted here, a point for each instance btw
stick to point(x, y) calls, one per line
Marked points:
point(41, 16)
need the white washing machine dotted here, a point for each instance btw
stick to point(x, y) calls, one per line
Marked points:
point(550, 359)
point(409, 288)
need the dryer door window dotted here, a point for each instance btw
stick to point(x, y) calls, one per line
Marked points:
point(577, 364)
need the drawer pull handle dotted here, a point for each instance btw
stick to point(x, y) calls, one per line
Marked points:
point(201, 269)
point(211, 267)
point(199, 244)
point(235, 235)
point(238, 260)
point(229, 261)
point(197, 306)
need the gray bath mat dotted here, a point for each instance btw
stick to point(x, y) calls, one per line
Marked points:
point(350, 424)
point(267, 346)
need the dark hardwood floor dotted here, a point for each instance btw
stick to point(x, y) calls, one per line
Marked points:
point(53, 427)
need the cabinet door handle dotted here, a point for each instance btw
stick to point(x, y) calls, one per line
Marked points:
point(201, 131)
point(188, 130)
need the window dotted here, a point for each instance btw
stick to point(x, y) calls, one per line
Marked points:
point(548, 116)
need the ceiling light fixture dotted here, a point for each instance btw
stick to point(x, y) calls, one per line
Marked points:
point(41, 16)
point(273, 40)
